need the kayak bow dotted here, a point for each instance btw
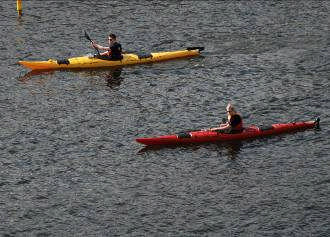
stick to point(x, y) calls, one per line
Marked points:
point(204, 136)
point(96, 62)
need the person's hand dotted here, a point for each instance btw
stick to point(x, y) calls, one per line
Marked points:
point(94, 44)
point(223, 125)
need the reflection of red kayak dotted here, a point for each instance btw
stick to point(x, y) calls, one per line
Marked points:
point(214, 136)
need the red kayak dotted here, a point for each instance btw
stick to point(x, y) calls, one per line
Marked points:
point(203, 136)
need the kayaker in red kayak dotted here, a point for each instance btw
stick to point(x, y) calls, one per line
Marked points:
point(113, 51)
point(234, 123)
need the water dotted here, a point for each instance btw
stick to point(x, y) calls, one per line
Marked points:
point(69, 162)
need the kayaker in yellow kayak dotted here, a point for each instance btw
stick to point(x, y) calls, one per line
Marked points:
point(234, 123)
point(113, 51)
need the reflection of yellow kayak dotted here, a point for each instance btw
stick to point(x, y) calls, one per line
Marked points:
point(94, 62)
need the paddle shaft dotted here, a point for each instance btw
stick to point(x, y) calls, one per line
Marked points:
point(88, 38)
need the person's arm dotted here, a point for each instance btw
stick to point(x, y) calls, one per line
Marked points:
point(222, 126)
point(97, 46)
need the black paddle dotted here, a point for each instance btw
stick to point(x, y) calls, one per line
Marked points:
point(317, 123)
point(89, 38)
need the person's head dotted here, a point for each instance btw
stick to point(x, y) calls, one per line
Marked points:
point(112, 38)
point(230, 109)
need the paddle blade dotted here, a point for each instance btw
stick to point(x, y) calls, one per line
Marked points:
point(194, 48)
point(87, 36)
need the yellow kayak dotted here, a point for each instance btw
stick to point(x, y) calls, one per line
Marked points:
point(95, 62)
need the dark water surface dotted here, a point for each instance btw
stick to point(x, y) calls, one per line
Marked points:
point(69, 162)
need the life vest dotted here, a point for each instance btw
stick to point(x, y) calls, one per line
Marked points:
point(115, 51)
point(236, 126)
